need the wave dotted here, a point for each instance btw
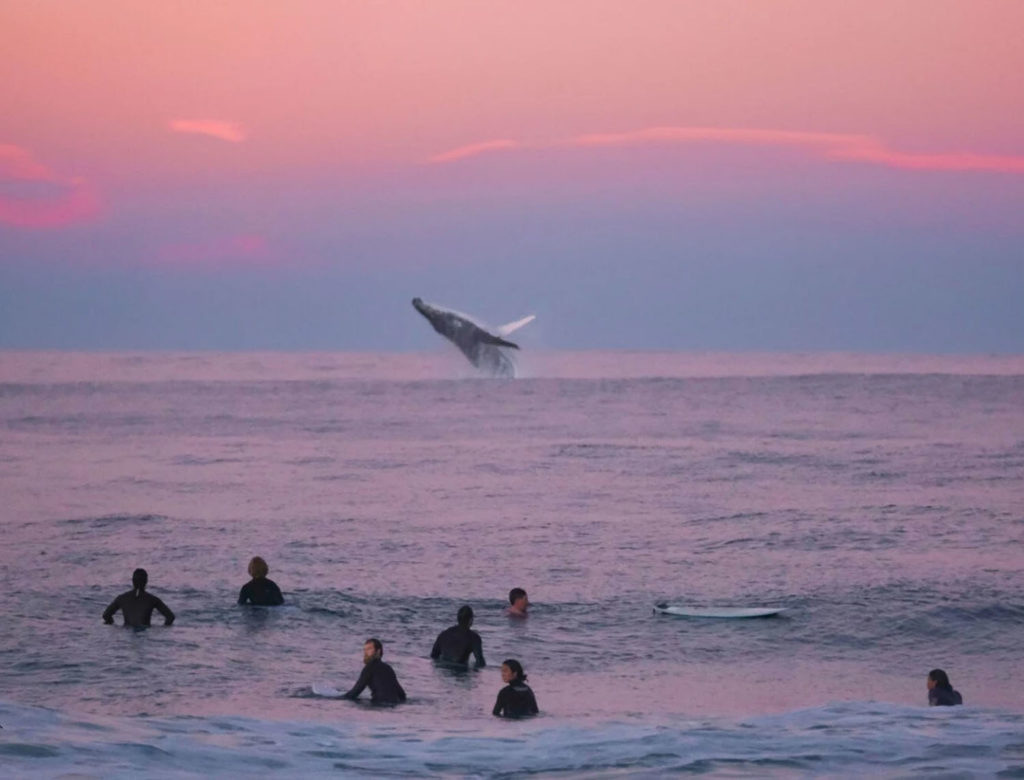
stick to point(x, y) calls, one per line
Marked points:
point(843, 738)
point(115, 520)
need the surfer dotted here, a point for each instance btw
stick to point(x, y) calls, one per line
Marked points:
point(137, 605)
point(260, 590)
point(379, 676)
point(516, 699)
point(454, 645)
point(519, 603)
point(940, 691)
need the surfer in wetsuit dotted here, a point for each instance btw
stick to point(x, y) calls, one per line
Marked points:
point(940, 691)
point(379, 676)
point(137, 605)
point(519, 603)
point(454, 645)
point(260, 590)
point(516, 699)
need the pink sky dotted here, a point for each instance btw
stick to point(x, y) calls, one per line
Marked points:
point(448, 145)
point(93, 89)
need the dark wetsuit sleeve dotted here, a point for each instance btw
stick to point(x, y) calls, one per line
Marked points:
point(400, 690)
point(435, 652)
point(478, 650)
point(532, 704)
point(361, 683)
point(499, 704)
point(245, 594)
point(276, 599)
point(109, 612)
point(163, 610)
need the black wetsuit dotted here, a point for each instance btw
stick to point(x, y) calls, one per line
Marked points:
point(515, 700)
point(454, 645)
point(944, 697)
point(384, 687)
point(262, 592)
point(137, 609)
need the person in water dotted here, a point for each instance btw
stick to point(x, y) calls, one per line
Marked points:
point(137, 605)
point(454, 645)
point(519, 603)
point(516, 699)
point(260, 590)
point(940, 691)
point(379, 676)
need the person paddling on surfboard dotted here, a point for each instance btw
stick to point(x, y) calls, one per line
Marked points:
point(379, 676)
point(940, 691)
point(260, 591)
point(137, 605)
point(519, 602)
point(454, 645)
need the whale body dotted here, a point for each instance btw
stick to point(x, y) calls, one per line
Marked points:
point(482, 348)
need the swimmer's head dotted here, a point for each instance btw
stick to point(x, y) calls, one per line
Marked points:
point(465, 616)
point(938, 679)
point(372, 648)
point(258, 567)
point(515, 594)
point(139, 579)
point(512, 671)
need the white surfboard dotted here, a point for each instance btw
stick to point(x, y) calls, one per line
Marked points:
point(327, 690)
point(716, 612)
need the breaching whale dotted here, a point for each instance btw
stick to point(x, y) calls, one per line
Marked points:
point(481, 348)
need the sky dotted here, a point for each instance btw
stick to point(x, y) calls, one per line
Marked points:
point(785, 175)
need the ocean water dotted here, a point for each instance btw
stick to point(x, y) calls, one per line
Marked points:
point(879, 499)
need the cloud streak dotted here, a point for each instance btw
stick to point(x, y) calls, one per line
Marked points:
point(32, 195)
point(473, 150)
point(232, 132)
point(838, 147)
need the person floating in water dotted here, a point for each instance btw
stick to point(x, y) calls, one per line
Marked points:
point(137, 605)
point(516, 699)
point(940, 691)
point(454, 645)
point(379, 676)
point(519, 603)
point(260, 590)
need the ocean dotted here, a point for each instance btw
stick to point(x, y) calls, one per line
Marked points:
point(878, 498)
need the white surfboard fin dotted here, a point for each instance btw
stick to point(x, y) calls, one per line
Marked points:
point(504, 330)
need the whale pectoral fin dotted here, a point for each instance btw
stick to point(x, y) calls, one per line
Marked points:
point(504, 330)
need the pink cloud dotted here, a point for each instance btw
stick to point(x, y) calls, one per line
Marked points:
point(242, 248)
point(215, 128)
point(831, 146)
point(472, 150)
point(42, 199)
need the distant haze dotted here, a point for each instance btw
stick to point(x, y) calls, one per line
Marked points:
point(797, 175)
